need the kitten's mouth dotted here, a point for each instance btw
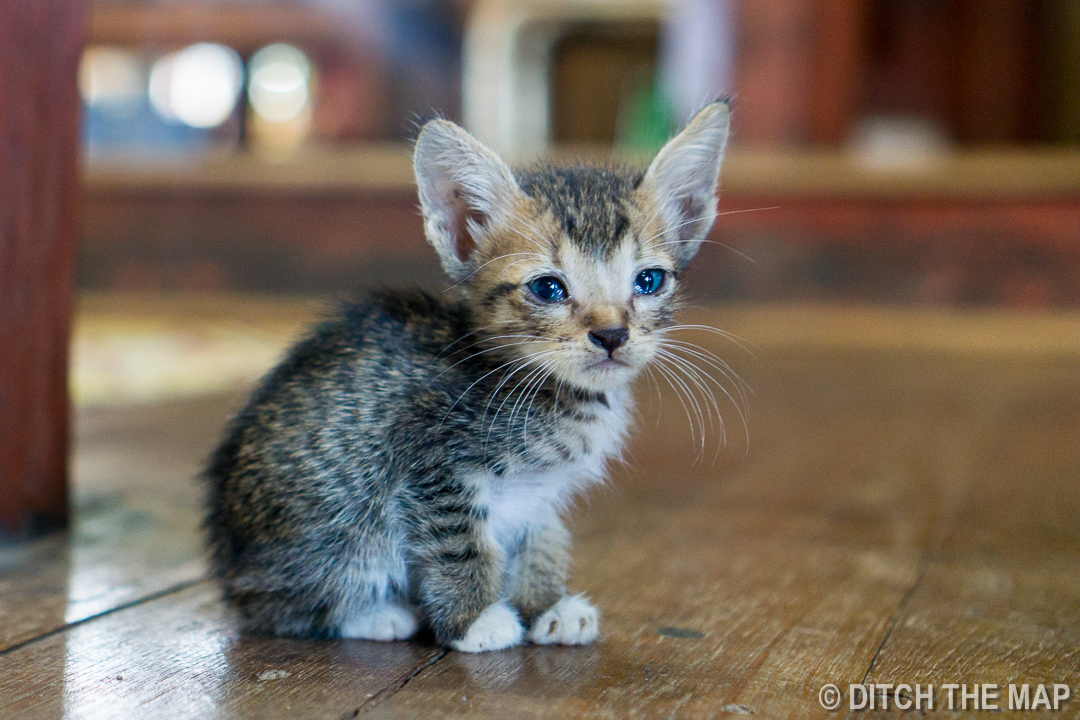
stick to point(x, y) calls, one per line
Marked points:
point(609, 364)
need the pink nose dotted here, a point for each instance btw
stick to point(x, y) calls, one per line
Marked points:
point(611, 339)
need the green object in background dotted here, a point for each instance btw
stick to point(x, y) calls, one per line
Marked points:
point(645, 117)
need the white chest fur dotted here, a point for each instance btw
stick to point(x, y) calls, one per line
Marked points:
point(521, 498)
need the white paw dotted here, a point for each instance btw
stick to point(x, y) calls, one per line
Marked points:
point(497, 627)
point(571, 621)
point(381, 622)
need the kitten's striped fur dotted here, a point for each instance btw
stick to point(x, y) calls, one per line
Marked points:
point(408, 462)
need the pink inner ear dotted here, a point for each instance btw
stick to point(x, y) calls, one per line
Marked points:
point(464, 242)
point(690, 210)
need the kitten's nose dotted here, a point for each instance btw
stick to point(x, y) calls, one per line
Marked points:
point(611, 339)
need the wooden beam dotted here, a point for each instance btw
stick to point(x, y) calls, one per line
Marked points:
point(40, 43)
point(245, 28)
point(839, 70)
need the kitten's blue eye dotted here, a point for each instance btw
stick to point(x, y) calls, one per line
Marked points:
point(549, 289)
point(649, 281)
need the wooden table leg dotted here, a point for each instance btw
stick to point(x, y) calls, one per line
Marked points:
point(40, 44)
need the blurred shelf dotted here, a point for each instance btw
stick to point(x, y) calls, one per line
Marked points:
point(352, 168)
point(977, 228)
point(968, 174)
point(1039, 173)
point(242, 26)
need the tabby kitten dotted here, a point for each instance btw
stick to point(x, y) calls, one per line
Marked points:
point(407, 463)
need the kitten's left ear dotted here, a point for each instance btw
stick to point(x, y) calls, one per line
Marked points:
point(464, 187)
point(684, 178)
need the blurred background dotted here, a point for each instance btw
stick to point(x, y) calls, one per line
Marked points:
point(895, 273)
point(912, 153)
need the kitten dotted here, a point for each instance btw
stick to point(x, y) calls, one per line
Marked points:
point(407, 463)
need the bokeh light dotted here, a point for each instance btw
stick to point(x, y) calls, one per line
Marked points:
point(198, 85)
point(110, 76)
point(278, 88)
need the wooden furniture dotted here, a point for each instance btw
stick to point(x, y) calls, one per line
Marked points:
point(990, 228)
point(241, 26)
point(40, 43)
point(806, 71)
point(350, 67)
point(1003, 72)
point(507, 59)
point(906, 512)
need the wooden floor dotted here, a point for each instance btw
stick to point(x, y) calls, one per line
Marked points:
point(907, 511)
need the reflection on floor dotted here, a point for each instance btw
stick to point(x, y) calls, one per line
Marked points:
point(905, 513)
point(138, 347)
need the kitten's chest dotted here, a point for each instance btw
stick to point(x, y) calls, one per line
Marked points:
point(524, 496)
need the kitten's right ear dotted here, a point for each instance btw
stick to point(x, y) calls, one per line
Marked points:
point(464, 187)
point(685, 176)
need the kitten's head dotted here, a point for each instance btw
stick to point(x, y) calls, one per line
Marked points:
point(572, 269)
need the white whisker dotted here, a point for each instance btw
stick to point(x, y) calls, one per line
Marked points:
point(659, 395)
point(478, 354)
point(667, 375)
point(494, 259)
point(536, 377)
point(524, 359)
point(675, 368)
point(534, 239)
point(693, 374)
point(690, 366)
point(498, 337)
point(712, 361)
point(466, 335)
point(510, 394)
point(539, 385)
point(742, 342)
point(738, 252)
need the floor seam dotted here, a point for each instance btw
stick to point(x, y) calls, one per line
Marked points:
point(395, 687)
point(920, 571)
point(123, 606)
point(896, 619)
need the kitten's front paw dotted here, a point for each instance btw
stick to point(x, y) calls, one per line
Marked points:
point(381, 622)
point(571, 621)
point(497, 627)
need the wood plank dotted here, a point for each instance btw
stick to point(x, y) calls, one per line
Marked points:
point(988, 621)
point(1021, 497)
point(40, 44)
point(386, 167)
point(181, 656)
point(135, 527)
point(906, 511)
point(119, 553)
point(877, 488)
point(999, 601)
